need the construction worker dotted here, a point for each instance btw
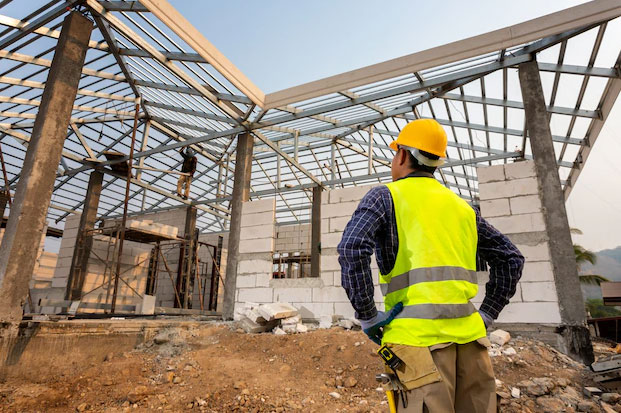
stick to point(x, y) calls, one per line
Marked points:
point(426, 240)
point(188, 168)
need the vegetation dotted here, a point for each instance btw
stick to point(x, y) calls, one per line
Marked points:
point(583, 255)
point(597, 309)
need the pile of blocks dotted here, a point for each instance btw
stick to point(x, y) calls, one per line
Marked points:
point(154, 228)
point(281, 318)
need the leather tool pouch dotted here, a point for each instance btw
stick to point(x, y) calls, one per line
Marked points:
point(418, 368)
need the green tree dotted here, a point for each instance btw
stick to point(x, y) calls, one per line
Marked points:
point(597, 309)
point(582, 256)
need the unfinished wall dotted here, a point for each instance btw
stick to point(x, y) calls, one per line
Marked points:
point(291, 238)
point(510, 201)
point(134, 264)
point(256, 249)
point(314, 297)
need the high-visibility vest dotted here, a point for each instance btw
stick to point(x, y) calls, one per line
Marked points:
point(434, 275)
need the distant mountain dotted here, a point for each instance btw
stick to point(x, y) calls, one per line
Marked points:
point(608, 265)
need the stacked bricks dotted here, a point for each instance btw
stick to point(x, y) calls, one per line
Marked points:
point(256, 250)
point(510, 201)
point(293, 238)
point(337, 207)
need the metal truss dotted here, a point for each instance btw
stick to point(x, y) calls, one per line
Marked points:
point(333, 132)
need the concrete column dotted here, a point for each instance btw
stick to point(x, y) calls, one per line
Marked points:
point(190, 235)
point(20, 244)
point(84, 241)
point(316, 233)
point(574, 333)
point(241, 194)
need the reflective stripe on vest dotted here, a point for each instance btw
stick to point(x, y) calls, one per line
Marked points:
point(434, 275)
point(421, 275)
point(433, 311)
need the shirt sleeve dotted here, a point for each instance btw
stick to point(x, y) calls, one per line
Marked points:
point(505, 266)
point(356, 248)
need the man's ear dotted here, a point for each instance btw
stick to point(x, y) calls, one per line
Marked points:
point(403, 156)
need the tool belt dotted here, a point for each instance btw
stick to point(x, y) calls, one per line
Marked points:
point(413, 366)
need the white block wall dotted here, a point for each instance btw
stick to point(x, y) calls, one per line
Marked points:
point(510, 201)
point(293, 238)
point(134, 264)
point(256, 251)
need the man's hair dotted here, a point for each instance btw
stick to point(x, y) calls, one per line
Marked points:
point(420, 167)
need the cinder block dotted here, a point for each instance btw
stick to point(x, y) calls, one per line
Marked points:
point(344, 309)
point(537, 271)
point(325, 225)
point(246, 281)
point(344, 209)
point(534, 253)
point(495, 208)
point(337, 279)
point(254, 266)
point(515, 224)
point(327, 277)
point(262, 205)
point(255, 295)
point(330, 263)
point(287, 295)
point(518, 170)
point(539, 291)
point(540, 312)
point(491, 174)
point(508, 189)
point(525, 204)
point(355, 193)
point(260, 218)
point(329, 295)
point(256, 232)
point(263, 279)
point(331, 240)
point(339, 224)
point(256, 245)
point(314, 310)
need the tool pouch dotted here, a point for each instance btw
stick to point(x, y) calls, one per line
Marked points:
point(418, 368)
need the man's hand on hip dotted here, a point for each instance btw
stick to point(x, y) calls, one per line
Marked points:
point(374, 327)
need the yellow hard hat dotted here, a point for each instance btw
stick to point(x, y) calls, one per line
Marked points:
point(423, 134)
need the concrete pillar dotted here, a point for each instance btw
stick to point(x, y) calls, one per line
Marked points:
point(574, 333)
point(241, 194)
point(84, 241)
point(20, 244)
point(316, 233)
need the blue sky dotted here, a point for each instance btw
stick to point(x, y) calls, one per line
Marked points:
point(279, 44)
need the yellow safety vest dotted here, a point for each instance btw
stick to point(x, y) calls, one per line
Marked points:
point(435, 270)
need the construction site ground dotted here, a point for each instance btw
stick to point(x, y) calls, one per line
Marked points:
point(217, 368)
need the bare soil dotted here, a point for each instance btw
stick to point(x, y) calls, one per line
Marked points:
point(216, 368)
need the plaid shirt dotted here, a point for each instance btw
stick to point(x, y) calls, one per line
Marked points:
point(373, 228)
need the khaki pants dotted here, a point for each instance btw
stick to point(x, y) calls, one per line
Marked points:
point(468, 384)
point(187, 180)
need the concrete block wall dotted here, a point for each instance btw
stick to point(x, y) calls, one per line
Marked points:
point(134, 264)
point(510, 201)
point(337, 207)
point(313, 297)
point(293, 238)
point(256, 252)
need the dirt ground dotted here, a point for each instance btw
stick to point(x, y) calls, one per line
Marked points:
point(216, 368)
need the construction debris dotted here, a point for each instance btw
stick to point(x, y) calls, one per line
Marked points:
point(499, 337)
point(608, 372)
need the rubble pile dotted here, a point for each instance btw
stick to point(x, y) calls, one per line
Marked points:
point(538, 378)
point(283, 318)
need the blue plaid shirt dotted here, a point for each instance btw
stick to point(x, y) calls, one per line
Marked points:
point(373, 228)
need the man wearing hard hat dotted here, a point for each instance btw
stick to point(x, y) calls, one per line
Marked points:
point(426, 240)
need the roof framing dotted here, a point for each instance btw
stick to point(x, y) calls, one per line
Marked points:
point(329, 132)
